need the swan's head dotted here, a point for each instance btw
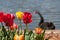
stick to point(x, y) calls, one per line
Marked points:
point(36, 12)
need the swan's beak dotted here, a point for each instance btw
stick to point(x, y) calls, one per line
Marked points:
point(34, 12)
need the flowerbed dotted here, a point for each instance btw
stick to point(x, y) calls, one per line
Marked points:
point(12, 31)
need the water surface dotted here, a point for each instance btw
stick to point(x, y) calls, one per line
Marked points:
point(50, 9)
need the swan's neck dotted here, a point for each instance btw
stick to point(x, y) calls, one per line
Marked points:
point(41, 18)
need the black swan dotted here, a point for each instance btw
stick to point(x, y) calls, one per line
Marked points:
point(45, 25)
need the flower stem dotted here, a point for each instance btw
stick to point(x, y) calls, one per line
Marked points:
point(20, 28)
point(26, 27)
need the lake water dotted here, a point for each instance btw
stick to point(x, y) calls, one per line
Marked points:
point(50, 9)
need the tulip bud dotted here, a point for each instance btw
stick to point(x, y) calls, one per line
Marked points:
point(14, 26)
point(38, 30)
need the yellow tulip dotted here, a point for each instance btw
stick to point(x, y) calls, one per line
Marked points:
point(19, 15)
point(21, 37)
point(16, 37)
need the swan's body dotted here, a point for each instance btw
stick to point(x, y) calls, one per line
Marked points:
point(45, 25)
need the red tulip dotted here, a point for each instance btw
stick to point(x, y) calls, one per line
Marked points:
point(27, 17)
point(9, 23)
point(9, 16)
point(12, 16)
point(1, 16)
point(8, 19)
point(14, 26)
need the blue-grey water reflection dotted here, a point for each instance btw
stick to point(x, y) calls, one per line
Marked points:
point(50, 9)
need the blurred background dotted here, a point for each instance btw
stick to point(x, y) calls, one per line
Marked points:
point(50, 9)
